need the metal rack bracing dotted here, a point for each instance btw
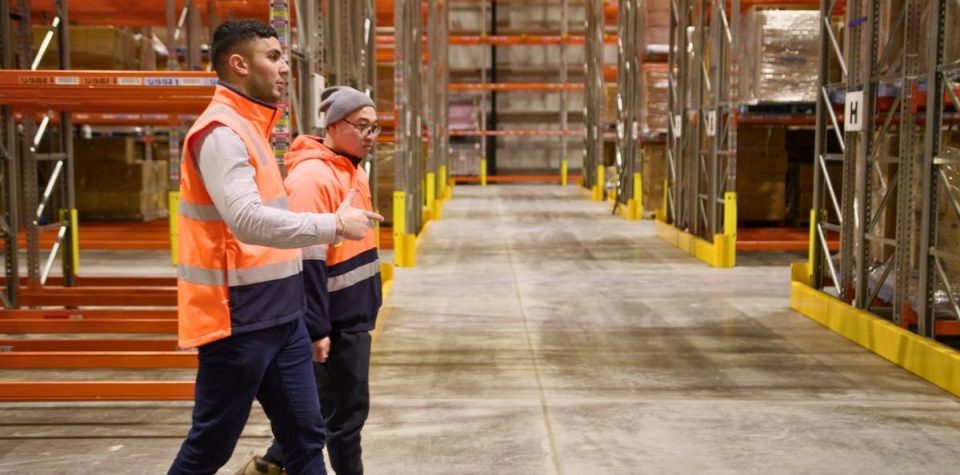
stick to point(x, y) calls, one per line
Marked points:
point(25, 149)
point(630, 49)
point(891, 149)
point(942, 82)
point(702, 128)
point(593, 96)
point(409, 158)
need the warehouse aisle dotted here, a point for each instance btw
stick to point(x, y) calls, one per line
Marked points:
point(540, 335)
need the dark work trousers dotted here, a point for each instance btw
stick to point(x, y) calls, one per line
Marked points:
point(344, 388)
point(273, 365)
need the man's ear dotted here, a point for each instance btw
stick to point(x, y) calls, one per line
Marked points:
point(238, 64)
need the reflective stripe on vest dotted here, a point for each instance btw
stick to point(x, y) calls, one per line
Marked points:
point(264, 273)
point(359, 274)
point(199, 212)
point(200, 275)
point(237, 277)
point(315, 253)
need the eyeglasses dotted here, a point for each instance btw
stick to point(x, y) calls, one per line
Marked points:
point(366, 129)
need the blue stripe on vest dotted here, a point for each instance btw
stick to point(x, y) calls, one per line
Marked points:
point(318, 299)
point(365, 257)
point(266, 304)
point(355, 308)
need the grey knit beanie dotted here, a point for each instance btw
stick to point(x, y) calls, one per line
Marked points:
point(340, 101)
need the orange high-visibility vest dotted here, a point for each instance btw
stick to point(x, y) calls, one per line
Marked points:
point(226, 287)
point(345, 278)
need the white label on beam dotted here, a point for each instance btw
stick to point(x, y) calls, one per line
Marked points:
point(711, 123)
point(67, 80)
point(853, 112)
point(677, 126)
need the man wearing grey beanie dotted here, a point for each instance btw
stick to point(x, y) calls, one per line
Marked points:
point(342, 281)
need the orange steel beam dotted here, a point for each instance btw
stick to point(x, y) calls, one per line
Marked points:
point(97, 296)
point(110, 344)
point(166, 326)
point(153, 235)
point(505, 40)
point(87, 314)
point(515, 133)
point(773, 119)
point(108, 281)
point(96, 359)
point(120, 12)
point(655, 66)
point(92, 241)
point(107, 91)
point(516, 86)
point(774, 245)
point(105, 119)
point(96, 390)
point(779, 239)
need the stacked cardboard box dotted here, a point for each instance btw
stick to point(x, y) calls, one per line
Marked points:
point(113, 182)
point(609, 103)
point(385, 89)
point(761, 173)
point(103, 48)
point(657, 29)
point(654, 174)
point(653, 112)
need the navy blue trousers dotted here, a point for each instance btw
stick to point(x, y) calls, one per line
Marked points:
point(343, 382)
point(275, 366)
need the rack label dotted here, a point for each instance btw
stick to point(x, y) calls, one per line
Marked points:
point(853, 111)
point(67, 81)
point(130, 81)
point(99, 81)
point(193, 82)
point(34, 80)
point(155, 81)
point(711, 123)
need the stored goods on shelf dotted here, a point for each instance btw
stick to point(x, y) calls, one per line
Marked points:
point(779, 56)
point(653, 112)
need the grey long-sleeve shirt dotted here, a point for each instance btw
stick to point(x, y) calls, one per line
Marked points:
point(229, 179)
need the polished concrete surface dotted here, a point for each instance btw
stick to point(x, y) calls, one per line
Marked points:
point(538, 334)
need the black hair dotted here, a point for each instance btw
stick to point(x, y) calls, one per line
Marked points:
point(232, 34)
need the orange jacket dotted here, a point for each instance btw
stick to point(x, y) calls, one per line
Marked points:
point(342, 282)
point(224, 286)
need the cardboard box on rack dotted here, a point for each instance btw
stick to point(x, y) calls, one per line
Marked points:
point(761, 202)
point(654, 174)
point(109, 149)
point(97, 48)
point(117, 176)
point(121, 205)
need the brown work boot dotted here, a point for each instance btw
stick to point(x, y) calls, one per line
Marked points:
point(259, 466)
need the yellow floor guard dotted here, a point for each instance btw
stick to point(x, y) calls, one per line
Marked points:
point(924, 357)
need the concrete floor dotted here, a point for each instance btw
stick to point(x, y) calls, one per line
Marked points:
point(540, 335)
